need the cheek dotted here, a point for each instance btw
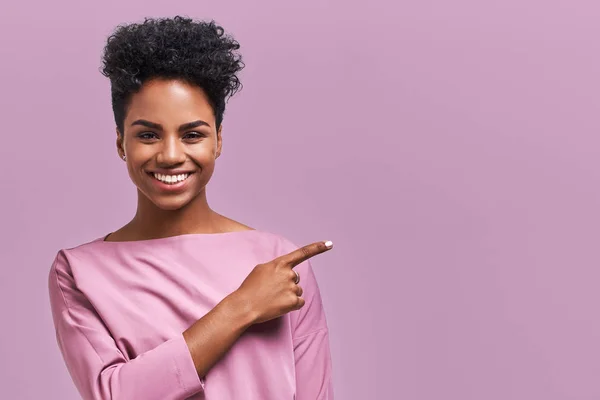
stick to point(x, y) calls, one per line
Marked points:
point(138, 154)
point(206, 152)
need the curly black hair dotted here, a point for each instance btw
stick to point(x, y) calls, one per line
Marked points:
point(180, 48)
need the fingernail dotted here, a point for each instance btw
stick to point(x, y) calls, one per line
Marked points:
point(329, 244)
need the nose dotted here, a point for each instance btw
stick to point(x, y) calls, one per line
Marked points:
point(171, 152)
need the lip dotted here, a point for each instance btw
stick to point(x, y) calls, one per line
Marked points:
point(170, 187)
point(170, 172)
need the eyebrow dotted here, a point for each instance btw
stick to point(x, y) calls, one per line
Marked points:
point(154, 125)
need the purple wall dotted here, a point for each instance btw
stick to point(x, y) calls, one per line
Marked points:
point(448, 148)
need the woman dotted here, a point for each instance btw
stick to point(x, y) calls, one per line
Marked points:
point(182, 302)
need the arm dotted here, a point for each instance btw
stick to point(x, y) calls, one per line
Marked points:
point(171, 370)
point(311, 342)
point(209, 338)
point(266, 293)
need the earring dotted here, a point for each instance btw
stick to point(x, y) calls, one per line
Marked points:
point(124, 157)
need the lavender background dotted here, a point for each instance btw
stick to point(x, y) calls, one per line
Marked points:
point(448, 148)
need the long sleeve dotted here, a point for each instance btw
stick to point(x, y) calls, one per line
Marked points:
point(98, 368)
point(311, 342)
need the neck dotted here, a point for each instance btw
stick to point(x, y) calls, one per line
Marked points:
point(152, 222)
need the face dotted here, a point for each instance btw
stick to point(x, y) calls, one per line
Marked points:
point(170, 141)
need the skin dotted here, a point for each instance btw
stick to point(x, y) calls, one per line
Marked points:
point(159, 144)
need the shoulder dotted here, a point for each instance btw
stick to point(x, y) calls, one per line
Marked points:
point(67, 256)
point(269, 243)
point(279, 243)
point(62, 282)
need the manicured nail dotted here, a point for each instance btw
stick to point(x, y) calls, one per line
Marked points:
point(329, 244)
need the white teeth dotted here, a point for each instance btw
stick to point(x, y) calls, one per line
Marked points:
point(171, 178)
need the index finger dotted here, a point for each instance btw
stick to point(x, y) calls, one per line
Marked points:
point(302, 254)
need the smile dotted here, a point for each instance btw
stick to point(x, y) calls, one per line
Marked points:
point(170, 179)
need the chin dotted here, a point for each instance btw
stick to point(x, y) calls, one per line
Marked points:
point(170, 204)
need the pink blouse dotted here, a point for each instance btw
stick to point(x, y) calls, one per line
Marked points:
point(120, 309)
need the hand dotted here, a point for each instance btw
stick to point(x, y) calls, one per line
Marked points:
point(271, 290)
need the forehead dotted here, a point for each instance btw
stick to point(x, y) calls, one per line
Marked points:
point(170, 102)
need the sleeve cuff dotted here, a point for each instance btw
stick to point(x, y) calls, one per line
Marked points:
point(188, 378)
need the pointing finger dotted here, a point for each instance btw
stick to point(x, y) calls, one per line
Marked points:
point(302, 254)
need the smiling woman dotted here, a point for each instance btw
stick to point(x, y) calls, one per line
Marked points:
point(169, 134)
point(182, 302)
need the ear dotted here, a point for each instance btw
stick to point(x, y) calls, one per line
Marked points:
point(120, 146)
point(219, 141)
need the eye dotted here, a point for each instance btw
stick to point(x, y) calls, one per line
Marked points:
point(194, 135)
point(147, 135)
